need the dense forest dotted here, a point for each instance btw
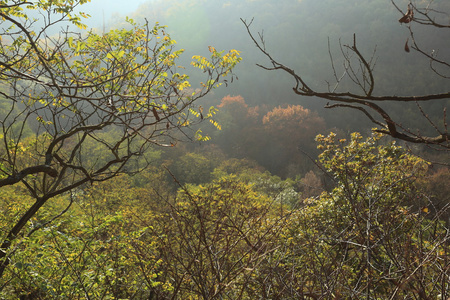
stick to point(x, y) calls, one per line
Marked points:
point(249, 149)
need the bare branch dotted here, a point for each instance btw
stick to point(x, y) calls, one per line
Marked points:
point(362, 76)
point(15, 178)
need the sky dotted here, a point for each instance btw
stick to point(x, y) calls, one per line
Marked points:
point(98, 9)
point(100, 12)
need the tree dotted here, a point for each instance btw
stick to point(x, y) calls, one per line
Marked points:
point(371, 236)
point(238, 127)
point(214, 238)
point(358, 71)
point(97, 251)
point(289, 129)
point(258, 132)
point(115, 94)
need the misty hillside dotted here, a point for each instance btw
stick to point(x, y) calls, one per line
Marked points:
point(297, 34)
point(224, 149)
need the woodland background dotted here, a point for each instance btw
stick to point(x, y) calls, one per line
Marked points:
point(282, 200)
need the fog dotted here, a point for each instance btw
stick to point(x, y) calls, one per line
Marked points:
point(297, 34)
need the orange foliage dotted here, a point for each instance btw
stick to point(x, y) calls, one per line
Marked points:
point(237, 108)
point(233, 100)
point(293, 117)
point(279, 113)
point(253, 114)
point(260, 133)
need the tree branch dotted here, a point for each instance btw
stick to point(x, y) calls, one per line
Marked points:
point(15, 178)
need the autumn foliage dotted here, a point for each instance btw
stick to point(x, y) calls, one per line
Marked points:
point(258, 132)
point(237, 236)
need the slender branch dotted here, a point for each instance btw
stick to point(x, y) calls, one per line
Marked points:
point(349, 99)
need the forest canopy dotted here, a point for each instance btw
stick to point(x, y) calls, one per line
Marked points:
point(127, 173)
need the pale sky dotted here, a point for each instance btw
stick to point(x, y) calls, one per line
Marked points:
point(105, 8)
